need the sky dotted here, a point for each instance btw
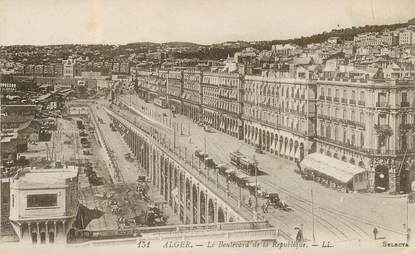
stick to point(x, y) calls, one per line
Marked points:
point(46, 22)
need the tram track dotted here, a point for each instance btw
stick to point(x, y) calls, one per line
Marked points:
point(341, 224)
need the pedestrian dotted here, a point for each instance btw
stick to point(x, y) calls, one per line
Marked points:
point(375, 233)
point(263, 208)
point(249, 202)
point(299, 238)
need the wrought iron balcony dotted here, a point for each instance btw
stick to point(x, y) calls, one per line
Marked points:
point(405, 104)
point(382, 104)
point(352, 102)
point(344, 100)
point(406, 127)
point(383, 129)
point(321, 97)
point(328, 98)
point(362, 103)
point(336, 99)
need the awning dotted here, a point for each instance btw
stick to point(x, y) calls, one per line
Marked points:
point(336, 169)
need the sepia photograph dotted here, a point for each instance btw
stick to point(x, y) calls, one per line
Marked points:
point(202, 126)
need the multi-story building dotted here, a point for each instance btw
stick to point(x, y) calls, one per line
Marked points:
point(363, 126)
point(221, 102)
point(124, 68)
point(191, 97)
point(69, 68)
point(376, 39)
point(368, 124)
point(406, 37)
point(174, 89)
point(48, 70)
point(44, 204)
point(38, 70)
point(279, 115)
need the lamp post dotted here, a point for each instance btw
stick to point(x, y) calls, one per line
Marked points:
point(256, 189)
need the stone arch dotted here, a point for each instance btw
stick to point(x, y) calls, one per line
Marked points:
point(268, 141)
point(328, 153)
point(194, 204)
point(285, 145)
point(295, 147)
point(211, 211)
point(336, 155)
point(188, 193)
point(175, 177)
point(352, 161)
point(291, 146)
point(361, 164)
point(381, 178)
point(221, 215)
point(301, 151)
point(202, 207)
point(231, 219)
point(182, 184)
point(171, 182)
point(344, 158)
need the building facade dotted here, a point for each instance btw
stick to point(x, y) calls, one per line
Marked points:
point(221, 102)
point(370, 124)
point(279, 115)
point(360, 122)
point(44, 204)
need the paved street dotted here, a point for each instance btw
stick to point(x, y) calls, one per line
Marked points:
point(338, 216)
point(129, 170)
point(65, 146)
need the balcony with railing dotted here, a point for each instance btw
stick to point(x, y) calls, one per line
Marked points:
point(382, 104)
point(404, 104)
point(344, 100)
point(383, 129)
point(362, 103)
point(336, 99)
point(321, 97)
point(406, 127)
point(328, 98)
point(367, 151)
point(352, 101)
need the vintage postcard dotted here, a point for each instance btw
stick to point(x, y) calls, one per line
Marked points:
point(202, 126)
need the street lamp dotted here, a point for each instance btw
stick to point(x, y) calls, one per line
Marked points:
point(256, 188)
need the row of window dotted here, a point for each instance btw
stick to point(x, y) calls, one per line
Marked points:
point(339, 133)
point(335, 112)
point(268, 90)
point(221, 81)
point(272, 117)
point(329, 92)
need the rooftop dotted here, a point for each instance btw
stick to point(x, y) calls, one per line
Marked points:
point(44, 178)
